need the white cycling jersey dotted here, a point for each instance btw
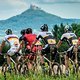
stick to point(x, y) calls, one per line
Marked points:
point(70, 37)
point(44, 34)
point(13, 42)
point(46, 37)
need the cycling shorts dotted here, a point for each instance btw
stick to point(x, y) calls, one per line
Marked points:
point(12, 51)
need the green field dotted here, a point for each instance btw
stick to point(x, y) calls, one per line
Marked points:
point(32, 76)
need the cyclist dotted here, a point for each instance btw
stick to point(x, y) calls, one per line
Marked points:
point(28, 39)
point(13, 42)
point(47, 39)
point(71, 40)
point(22, 34)
point(23, 31)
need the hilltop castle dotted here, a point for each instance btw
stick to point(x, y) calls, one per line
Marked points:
point(34, 7)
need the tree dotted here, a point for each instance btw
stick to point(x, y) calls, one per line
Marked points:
point(74, 27)
point(61, 30)
point(55, 31)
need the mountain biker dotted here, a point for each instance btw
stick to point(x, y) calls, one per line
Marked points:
point(13, 42)
point(28, 39)
point(22, 34)
point(47, 39)
point(23, 31)
point(71, 40)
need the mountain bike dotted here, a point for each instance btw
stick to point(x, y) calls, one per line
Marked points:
point(52, 61)
point(13, 65)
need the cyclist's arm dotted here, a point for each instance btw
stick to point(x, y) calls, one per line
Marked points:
point(2, 45)
point(21, 45)
point(59, 43)
point(33, 44)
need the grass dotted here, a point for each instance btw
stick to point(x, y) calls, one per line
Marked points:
point(32, 76)
point(38, 76)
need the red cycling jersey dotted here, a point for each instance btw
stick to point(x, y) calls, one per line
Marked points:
point(30, 38)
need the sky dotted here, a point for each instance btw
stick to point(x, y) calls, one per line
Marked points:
point(62, 8)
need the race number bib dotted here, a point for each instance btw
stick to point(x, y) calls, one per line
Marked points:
point(74, 42)
point(51, 41)
point(38, 43)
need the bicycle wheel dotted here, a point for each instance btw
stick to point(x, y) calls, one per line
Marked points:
point(23, 68)
point(56, 69)
point(4, 68)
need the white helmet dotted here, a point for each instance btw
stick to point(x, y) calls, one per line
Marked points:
point(68, 28)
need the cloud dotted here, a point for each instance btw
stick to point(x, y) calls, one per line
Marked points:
point(10, 8)
point(11, 3)
point(59, 1)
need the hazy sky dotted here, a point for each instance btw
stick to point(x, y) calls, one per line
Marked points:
point(62, 8)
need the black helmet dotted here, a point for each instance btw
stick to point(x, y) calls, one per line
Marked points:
point(23, 32)
point(44, 27)
point(8, 31)
point(68, 28)
point(28, 30)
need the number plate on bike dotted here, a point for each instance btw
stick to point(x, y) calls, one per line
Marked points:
point(74, 41)
point(51, 41)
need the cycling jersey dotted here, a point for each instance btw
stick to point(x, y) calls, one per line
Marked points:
point(13, 42)
point(29, 38)
point(46, 37)
point(70, 38)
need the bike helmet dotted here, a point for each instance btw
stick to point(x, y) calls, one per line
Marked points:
point(22, 32)
point(67, 28)
point(44, 27)
point(28, 30)
point(8, 31)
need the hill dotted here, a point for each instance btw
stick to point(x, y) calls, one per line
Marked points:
point(33, 17)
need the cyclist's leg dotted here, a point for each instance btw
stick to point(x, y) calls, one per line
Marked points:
point(45, 51)
point(68, 55)
point(66, 62)
point(75, 50)
point(8, 60)
point(9, 54)
point(30, 60)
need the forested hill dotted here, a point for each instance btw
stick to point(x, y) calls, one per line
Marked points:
point(34, 17)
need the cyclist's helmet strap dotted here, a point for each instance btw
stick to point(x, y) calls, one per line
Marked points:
point(44, 27)
point(8, 31)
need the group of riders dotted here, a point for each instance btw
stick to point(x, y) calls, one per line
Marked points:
point(28, 41)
